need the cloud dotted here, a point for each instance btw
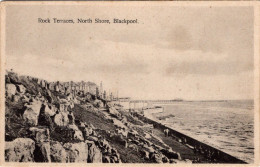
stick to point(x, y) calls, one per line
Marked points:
point(173, 52)
point(180, 38)
point(208, 68)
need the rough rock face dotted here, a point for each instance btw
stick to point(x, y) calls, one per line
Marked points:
point(157, 158)
point(21, 89)
point(122, 132)
point(98, 103)
point(73, 127)
point(86, 133)
point(40, 134)
point(145, 154)
point(89, 130)
point(58, 153)
point(15, 98)
point(94, 154)
point(43, 83)
point(20, 150)
point(10, 90)
point(147, 135)
point(76, 152)
point(119, 124)
point(32, 111)
point(25, 99)
point(77, 134)
point(49, 111)
point(171, 154)
point(61, 119)
point(49, 96)
point(42, 152)
point(113, 111)
point(92, 138)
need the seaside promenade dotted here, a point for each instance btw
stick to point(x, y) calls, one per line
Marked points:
point(63, 125)
point(188, 147)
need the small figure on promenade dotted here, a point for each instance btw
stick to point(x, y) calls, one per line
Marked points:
point(166, 132)
point(184, 140)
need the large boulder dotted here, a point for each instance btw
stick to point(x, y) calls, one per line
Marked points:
point(156, 158)
point(98, 103)
point(49, 96)
point(39, 81)
point(147, 135)
point(40, 134)
point(145, 154)
point(25, 99)
point(113, 111)
point(20, 150)
point(132, 133)
point(42, 152)
point(92, 138)
point(16, 98)
point(76, 152)
point(63, 101)
point(171, 154)
point(104, 143)
point(50, 111)
point(71, 104)
point(43, 83)
point(21, 89)
point(106, 159)
point(14, 78)
point(119, 124)
point(120, 139)
point(121, 131)
point(58, 153)
point(73, 127)
point(32, 111)
point(94, 154)
point(77, 134)
point(149, 149)
point(61, 119)
point(10, 90)
point(87, 132)
point(57, 88)
point(71, 118)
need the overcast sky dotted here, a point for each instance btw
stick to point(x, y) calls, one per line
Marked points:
point(194, 53)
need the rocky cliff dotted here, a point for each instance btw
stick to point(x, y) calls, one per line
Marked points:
point(51, 125)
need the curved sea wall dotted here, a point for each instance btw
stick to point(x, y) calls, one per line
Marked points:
point(221, 156)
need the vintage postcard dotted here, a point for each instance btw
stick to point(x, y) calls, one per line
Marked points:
point(129, 82)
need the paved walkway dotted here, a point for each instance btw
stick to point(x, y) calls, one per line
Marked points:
point(186, 152)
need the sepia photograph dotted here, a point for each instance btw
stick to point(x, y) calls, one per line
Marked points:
point(128, 83)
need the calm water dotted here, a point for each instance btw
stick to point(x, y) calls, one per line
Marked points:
point(228, 125)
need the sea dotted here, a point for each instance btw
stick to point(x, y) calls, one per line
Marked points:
point(225, 125)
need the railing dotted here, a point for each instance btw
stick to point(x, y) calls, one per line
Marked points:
point(153, 101)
